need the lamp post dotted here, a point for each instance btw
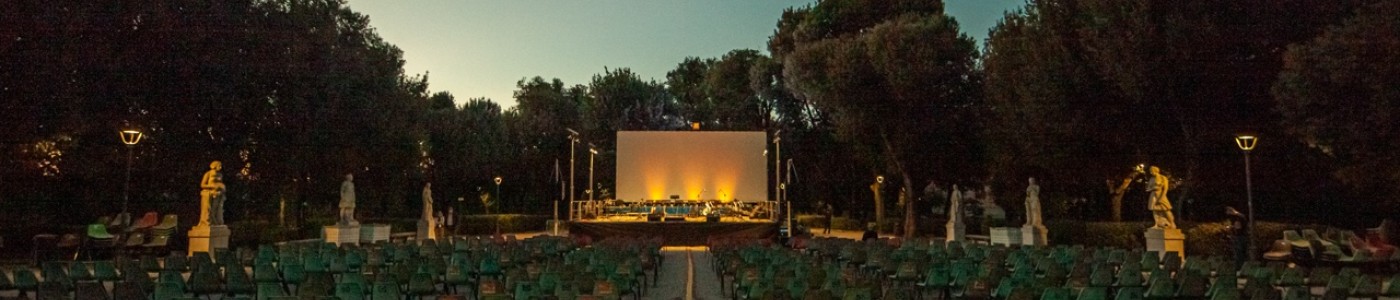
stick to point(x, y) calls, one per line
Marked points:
point(592, 151)
point(130, 138)
point(778, 167)
point(1246, 143)
point(498, 190)
point(573, 140)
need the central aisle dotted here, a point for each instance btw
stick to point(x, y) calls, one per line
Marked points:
point(687, 271)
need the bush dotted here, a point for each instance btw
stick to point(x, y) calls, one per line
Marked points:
point(1126, 235)
point(506, 223)
point(1209, 238)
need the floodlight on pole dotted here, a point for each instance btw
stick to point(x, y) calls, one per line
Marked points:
point(573, 141)
point(130, 138)
point(1246, 144)
point(592, 151)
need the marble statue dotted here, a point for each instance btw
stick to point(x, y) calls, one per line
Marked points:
point(955, 212)
point(211, 196)
point(1033, 204)
point(1157, 200)
point(347, 200)
point(956, 230)
point(428, 201)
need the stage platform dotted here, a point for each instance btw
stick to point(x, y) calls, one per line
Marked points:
point(676, 233)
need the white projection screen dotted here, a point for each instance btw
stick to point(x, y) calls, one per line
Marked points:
point(695, 165)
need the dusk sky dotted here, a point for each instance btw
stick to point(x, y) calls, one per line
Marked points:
point(481, 48)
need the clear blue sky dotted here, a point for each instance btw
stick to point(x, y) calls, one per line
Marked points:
point(480, 48)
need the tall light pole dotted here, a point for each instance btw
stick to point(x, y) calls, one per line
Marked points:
point(573, 140)
point(1246, 143)
point(500, 199)
point(778, 166)
point(592, 150)
point(130, 138)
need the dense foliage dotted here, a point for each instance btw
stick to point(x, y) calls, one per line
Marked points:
point(293, 94)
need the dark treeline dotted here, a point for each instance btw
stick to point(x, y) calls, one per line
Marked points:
point(293, 94)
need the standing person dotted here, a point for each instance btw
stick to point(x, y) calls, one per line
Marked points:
point(1239, 235)
point(828, 210)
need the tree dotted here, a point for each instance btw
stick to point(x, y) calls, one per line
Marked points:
point(898, 79)
point(1089, 88)
point(1338, 94)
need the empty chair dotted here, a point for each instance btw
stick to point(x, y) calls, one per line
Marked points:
point(350, 291)
point(25, 281)
point(90, 290)
point(146, 221)
point(166, 226)
point(125, 290)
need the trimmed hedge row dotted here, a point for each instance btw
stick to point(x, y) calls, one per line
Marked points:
point(253, 233)
point(1202, 238)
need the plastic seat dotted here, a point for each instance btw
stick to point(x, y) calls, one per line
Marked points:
point(168, 291)
point(1093, 293)
point(126, 290)
point(269, 290)
point(350, 291)
point(204, 282)
point(237, 283)
point(90, 290)
point(386, 290)
point(79, 271)
point(146, 221)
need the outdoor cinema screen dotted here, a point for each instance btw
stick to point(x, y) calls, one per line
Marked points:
point(692, 165)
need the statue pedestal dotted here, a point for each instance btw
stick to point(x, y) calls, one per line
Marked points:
point(207, 238)
point(1033, 235)
point(341, 234)
point(956, 232)
point(1005, 235)
point(1166, 240)
point(374, 233)
point(427, 230)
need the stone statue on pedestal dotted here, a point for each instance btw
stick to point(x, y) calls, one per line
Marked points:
point(1033, 204)
point(956, 231)
point(211, 196)
point(1157, 200)
point(428, 201)
point(347, 200)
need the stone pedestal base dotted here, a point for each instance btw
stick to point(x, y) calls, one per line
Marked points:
point(558, 228)
point(427, 230)
point(1009, 236)
point(956, 232)
point(208, 238)
point(1033, 235)
point(373, 233)
point(1166, 240)
point(342, 234)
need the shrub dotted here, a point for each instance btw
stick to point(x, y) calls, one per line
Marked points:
point(506, 223)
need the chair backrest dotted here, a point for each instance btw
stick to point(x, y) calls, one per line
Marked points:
point(166, 290)
point(146, 221)
point(268, 290)
point(350, 291)
point(169, 222)
point(128, 290)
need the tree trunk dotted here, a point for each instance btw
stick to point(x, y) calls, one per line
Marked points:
point(909, 222)
point(1118, 192)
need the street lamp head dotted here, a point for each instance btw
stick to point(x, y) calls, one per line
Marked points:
point(1246, 142)
point(880, 179)
point(498, 180)
point(131, 137)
